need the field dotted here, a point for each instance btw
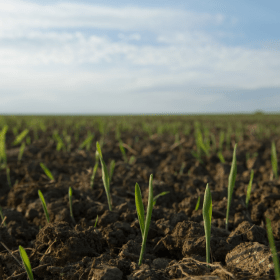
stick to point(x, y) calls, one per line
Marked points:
point(93, 224)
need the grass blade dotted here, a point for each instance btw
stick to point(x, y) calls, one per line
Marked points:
point(273, 249)
point(139, 208)
point(231, 182)
point(249, 188)
point(44, 205)
point(274, 160)
point(105, 176)
point(207, 216)
point(47, 171)
point(26, 263)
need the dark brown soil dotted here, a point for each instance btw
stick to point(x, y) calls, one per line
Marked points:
point(176, 240)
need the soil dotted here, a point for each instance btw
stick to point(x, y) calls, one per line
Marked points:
point(175, 246)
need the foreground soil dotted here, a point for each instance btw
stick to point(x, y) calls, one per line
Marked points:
point(176, 241)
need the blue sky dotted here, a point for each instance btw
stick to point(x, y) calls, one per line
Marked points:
point(132, 57)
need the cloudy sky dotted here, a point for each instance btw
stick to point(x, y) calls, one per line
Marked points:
point(139, 57)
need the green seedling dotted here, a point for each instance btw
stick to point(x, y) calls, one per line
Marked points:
point(44, 205)
point(96, 221)
point(105, 176)
point(8, 176)
point(197, 204)
point(157, 196)
point(26, 263)
point(87, 142)
point(123, 151)
point(220, 156)
point(47, 171)
point(70, 204)
point(249, 188)
point(140, 212)
point(207, 216)
point(20, 137)
point(131, 160)
point(94, 169)
point(112, 168)
point(273, 249)
point(231, 183)
point(3, 156)
point(22, 147)
point(274, 160)
point(2, 217)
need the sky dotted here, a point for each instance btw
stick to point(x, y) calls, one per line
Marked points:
point(139, 57)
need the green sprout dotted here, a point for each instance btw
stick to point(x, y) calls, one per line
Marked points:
point(70, 204)
point(207, 216)
point(87, 142)
point(44, 205)
point(274, 160)
point(20, 137)
point(140, 212)
point(249, 188)
point(273, 249)
point(47, 171)
point(197, 204)
point(231, 182)
point(26, 262)
point(96, 221)
point(3, 155)
point(94, 169)
point(220, 156)
point(123, 151)
point(157, 196)
point(21, 151)
point(105, 176)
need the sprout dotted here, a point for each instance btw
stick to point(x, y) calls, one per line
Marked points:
point(47, 171)
point(140, 212)
point(249, 188)
point(70, 204)
point(207, 216)
point(231, 182)
point(44, 205)
point(26, 263)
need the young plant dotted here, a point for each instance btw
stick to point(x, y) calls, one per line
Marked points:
point(157, 196)
point(70, 204)
point(96, 221)
point(94, 169)
point(231, 182)
point(123, 151)
point(273, 249)
point(47, 171)
point(197, 203)
point(20, 137)
point(3, 156)
point(274, 160)
point(249, 188)
point(105, 176)
point(44, 205)
point(21, 151)
point(207, 216)
point(140, 212)
point(26, 262)
point(112, 167)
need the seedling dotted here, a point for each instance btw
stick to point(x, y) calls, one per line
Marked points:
point(70, 204)
point(274, 160)
point(157, 196)
point(21, 151)
point(197, 204)
point(26, 262)
point(231, 182)
point(207, 216)
point(94, 169)
point(123, 151)
point(105, 176)
point(140, 212)
point(20, 137)
point(44, 205)
point(47, 171)
point(273, 249)
point(112, 167)
point(249, 188)
point(96, 221)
